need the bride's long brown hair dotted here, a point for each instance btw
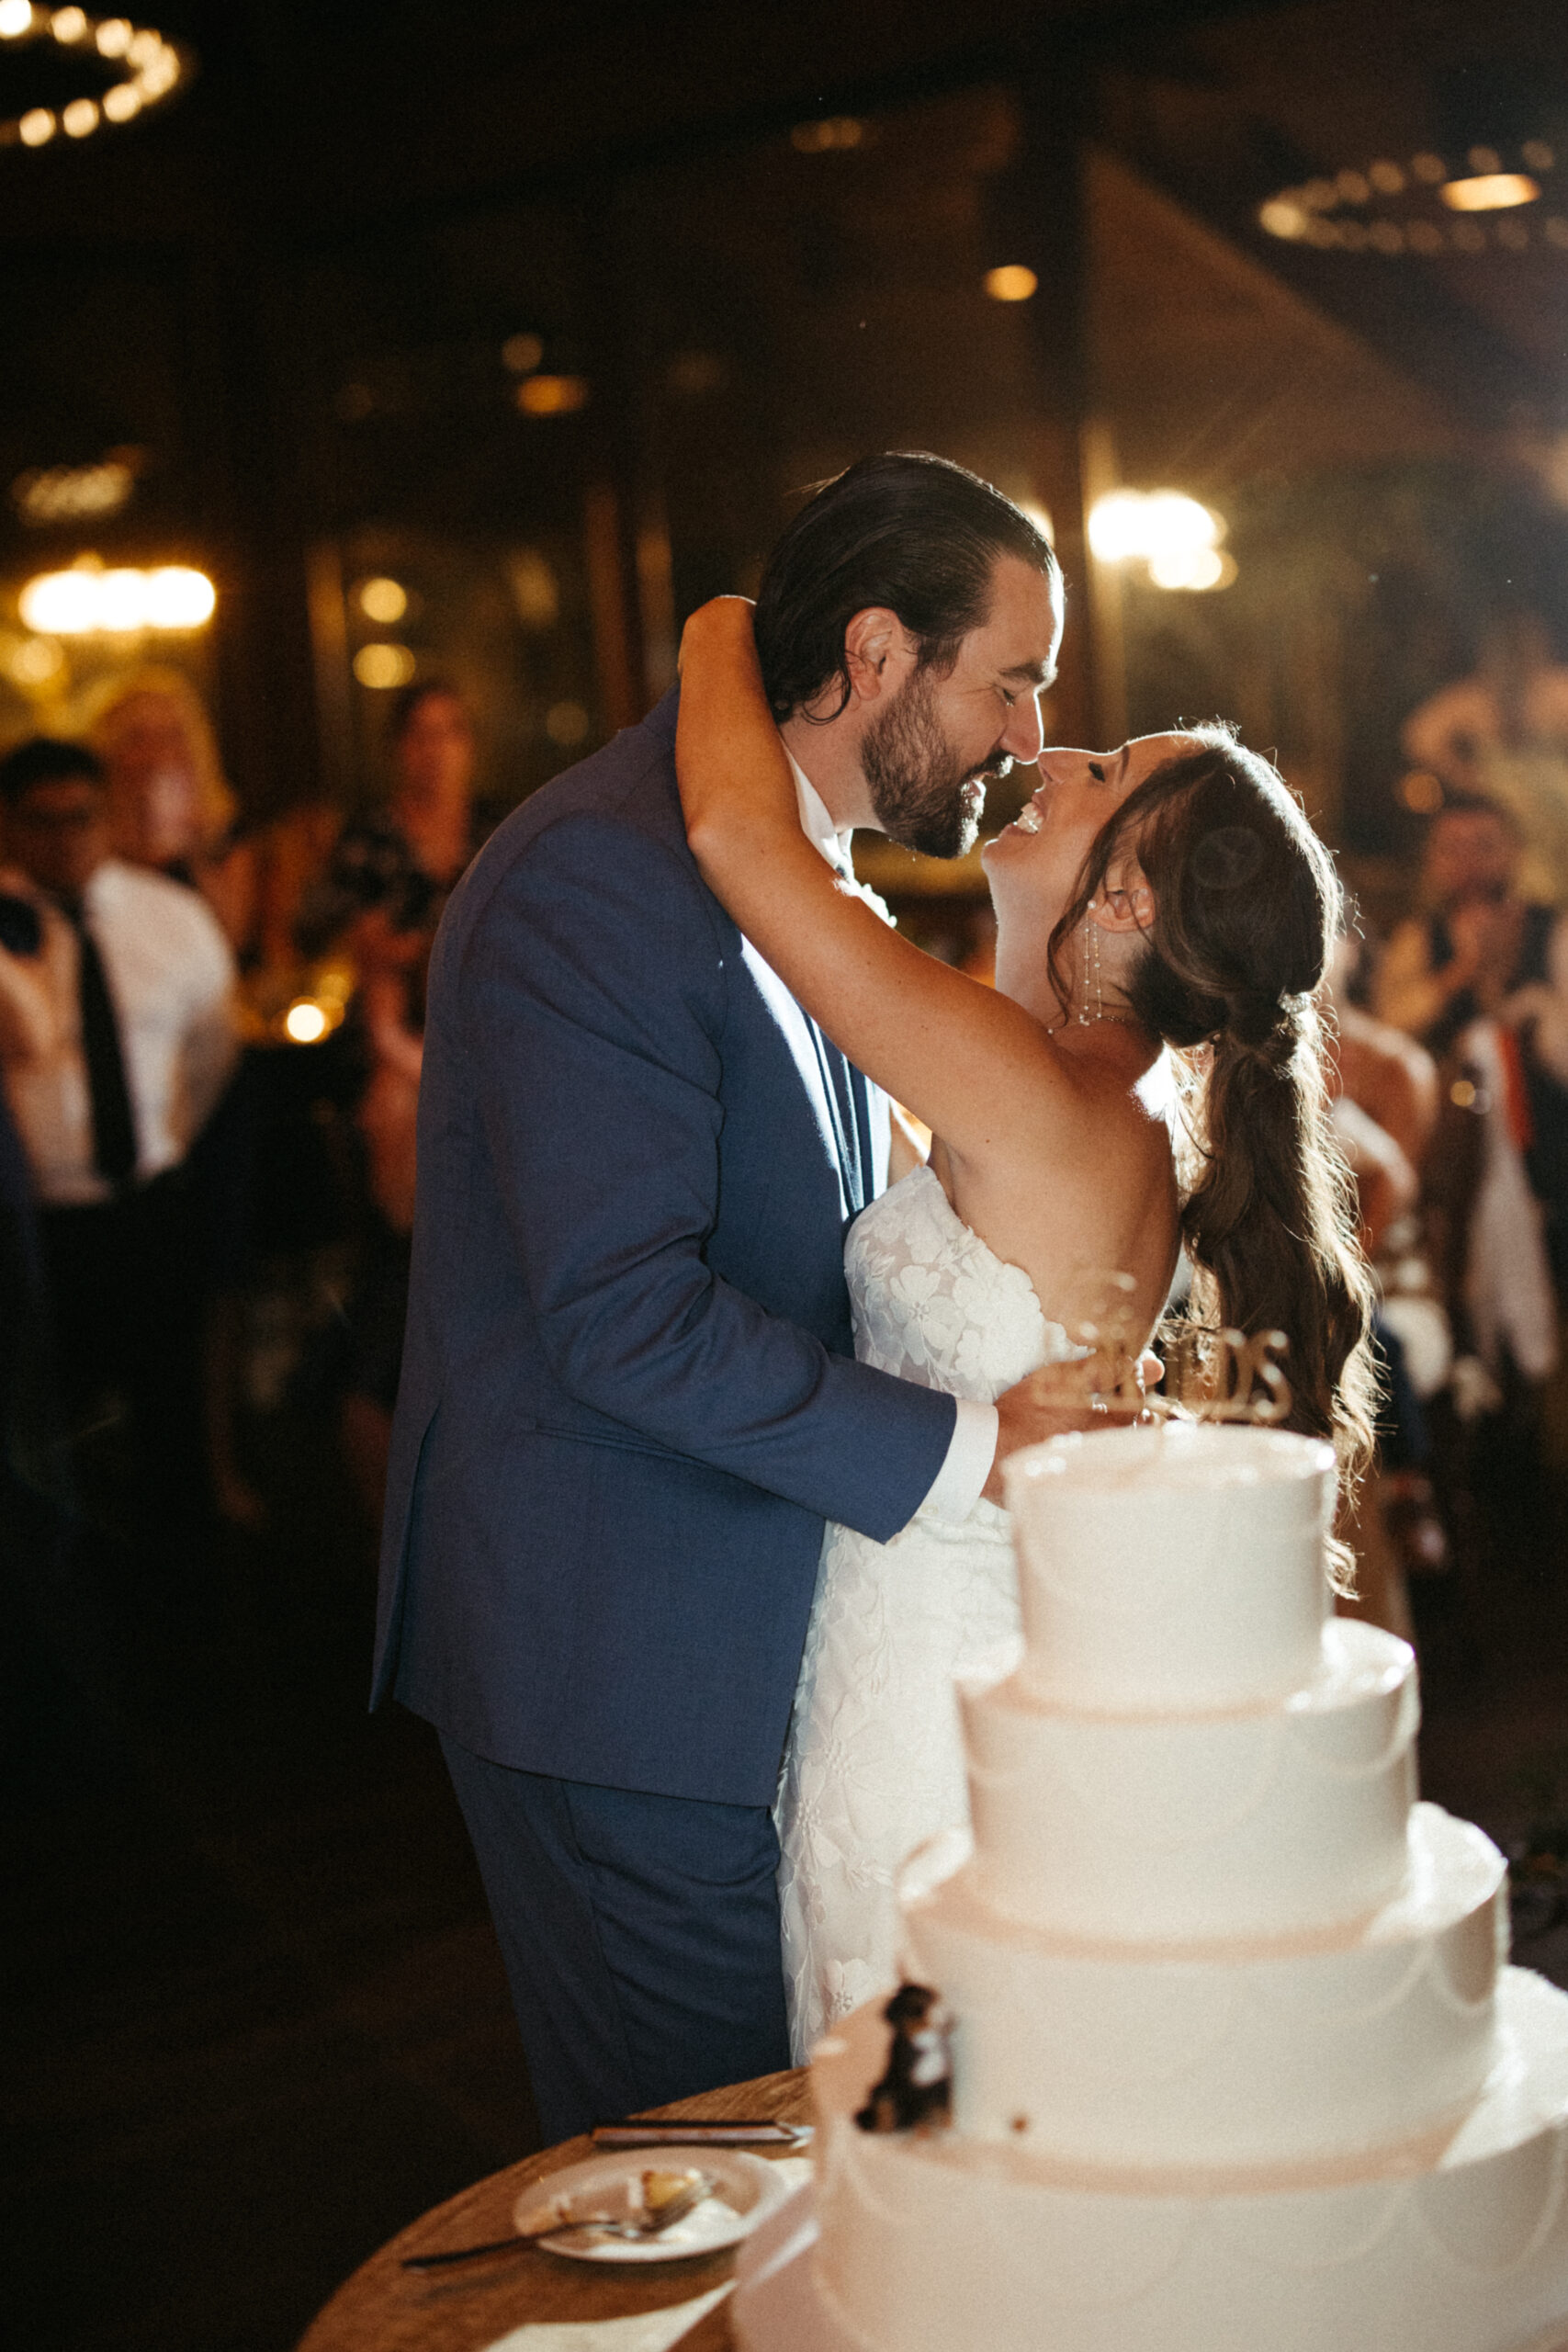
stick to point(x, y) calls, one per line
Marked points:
point(1246, 907)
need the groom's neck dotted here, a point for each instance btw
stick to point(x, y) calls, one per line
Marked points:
point(828, 753)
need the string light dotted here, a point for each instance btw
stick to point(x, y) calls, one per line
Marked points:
point(1393, 208)
point(155, 68)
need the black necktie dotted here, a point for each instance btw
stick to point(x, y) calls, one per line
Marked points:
point(114, 1126)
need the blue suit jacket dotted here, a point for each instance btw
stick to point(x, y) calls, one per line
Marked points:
point(629, 1397)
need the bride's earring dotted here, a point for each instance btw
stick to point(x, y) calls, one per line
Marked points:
point(1092, 1006)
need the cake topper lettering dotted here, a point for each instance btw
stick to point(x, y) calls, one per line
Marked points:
point(1209, 1375)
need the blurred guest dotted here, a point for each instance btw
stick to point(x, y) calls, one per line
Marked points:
point(1481, 951)
point(1516, 695)
point(29, 1431)
point(1475, 940)
point(391, 871)
point(1503, 732)
point(121, 1053)
point(170, 806)
point(1381, 1069)
point(380, 900)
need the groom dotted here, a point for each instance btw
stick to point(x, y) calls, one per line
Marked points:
point(629, 1396)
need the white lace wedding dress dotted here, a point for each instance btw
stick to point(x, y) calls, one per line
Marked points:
point(874, 1763)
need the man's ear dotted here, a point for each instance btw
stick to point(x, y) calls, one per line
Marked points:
point(879, 652)
point(1123, 901)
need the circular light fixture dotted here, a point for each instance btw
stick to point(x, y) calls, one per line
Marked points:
point(552, 395)
point(1393, 208)
point(383, 600)
point(382, 666)
point(306, 1022)
point(1012, 283)
point(154, 68)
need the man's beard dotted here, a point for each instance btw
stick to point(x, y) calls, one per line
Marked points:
point(916, 782)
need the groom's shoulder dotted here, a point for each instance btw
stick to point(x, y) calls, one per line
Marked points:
point(628, 786)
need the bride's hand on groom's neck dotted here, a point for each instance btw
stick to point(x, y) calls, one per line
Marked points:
point(1052, 1401)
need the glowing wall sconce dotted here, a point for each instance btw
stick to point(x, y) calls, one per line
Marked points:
point(87, 600)
point(1176, 537)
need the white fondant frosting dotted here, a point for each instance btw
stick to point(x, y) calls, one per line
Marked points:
point(945, 2245)
point(1171, 1829)
point(1236, 2066)
point(1178, 1568)
point(1251, 2053)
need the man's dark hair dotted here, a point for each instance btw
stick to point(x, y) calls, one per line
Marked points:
point(914, 533)
point(45, 759)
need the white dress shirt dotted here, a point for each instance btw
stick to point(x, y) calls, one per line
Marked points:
point(955, 1489)
point(171, 977)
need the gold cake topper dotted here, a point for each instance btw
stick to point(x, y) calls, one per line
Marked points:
point(1210, 1376)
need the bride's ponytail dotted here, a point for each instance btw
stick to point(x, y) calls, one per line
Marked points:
point(1246, 907)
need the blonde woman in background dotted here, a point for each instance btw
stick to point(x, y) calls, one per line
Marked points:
point(171, 807)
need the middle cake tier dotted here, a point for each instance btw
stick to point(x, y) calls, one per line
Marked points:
point(1162, 1829)
point(1248, 2053)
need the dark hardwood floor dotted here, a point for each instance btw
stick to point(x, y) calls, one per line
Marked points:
point(256, 2018)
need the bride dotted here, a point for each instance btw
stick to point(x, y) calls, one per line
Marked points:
point(1169, 895)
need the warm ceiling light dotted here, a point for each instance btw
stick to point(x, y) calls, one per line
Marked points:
point(1012, 283)
point(552, 395)
point(306, 1021)
point(36, 662)
point(1283, 218)
point(836, 130)
point(523, 353)
point(122, 601)
point(383, 600)
point(87, 600)
point(383, 666)
point(61, 604)
point(1490, 192)
point(178, 597)
point(156, 67)
point(1177, 536)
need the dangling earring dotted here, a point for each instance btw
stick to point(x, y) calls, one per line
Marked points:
point(1092, 1008)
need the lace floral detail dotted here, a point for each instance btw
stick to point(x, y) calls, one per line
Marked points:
point(876, 1762)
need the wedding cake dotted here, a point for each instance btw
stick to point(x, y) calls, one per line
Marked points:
point(1236, 2066)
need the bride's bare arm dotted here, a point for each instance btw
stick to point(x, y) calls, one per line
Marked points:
point(965, 1059)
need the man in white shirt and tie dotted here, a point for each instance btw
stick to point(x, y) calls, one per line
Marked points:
point(116, 1041)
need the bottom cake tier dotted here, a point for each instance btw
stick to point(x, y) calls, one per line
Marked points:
point(943, 2244)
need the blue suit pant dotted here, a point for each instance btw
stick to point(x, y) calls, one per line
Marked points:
point(640, 1936)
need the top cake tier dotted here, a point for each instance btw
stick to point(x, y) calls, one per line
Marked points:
point(1173, 1571)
